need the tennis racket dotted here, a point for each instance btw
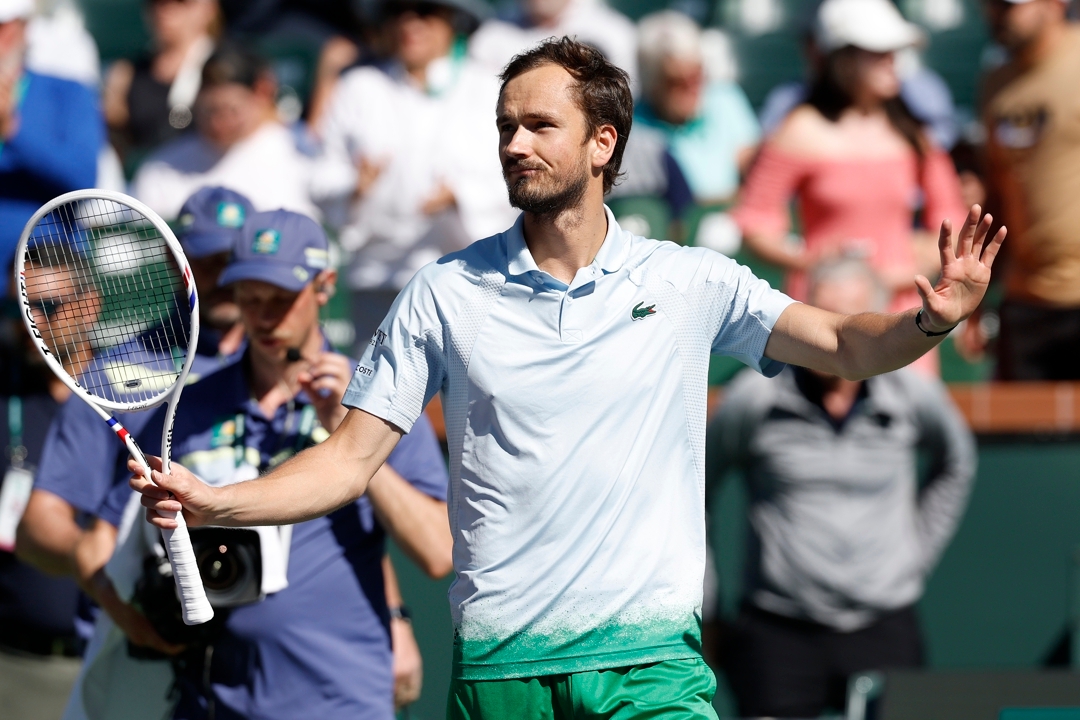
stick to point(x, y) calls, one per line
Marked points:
point(109, 300)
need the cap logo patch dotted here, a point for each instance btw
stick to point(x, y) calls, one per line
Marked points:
point(301, 274)
point(266, 242)
point(187, 220)
point(317, 258)
point(230, 215)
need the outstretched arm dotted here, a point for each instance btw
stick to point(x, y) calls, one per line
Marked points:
point(859, 346)
point(315, 482)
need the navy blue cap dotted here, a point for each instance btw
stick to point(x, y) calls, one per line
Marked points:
point(280, 247)
point(211, 219)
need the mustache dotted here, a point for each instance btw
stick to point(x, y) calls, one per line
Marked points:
point(512, 165)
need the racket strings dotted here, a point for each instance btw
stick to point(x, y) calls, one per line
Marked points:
point(106, 295)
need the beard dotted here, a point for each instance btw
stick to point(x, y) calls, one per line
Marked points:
point(539, 196)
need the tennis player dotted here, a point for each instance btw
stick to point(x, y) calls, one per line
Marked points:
point(572, 359)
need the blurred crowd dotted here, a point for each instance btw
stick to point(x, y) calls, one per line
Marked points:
point(384, 158)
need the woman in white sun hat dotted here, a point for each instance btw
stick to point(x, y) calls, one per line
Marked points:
point(856, 160)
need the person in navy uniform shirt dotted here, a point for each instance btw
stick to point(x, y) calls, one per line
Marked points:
point(319, 647)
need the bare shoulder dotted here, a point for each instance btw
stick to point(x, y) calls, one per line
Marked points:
point(803, 132)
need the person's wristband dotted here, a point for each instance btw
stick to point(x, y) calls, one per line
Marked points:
point(400, 613)
point(929, 333)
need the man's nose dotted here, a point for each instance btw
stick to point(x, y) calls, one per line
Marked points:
point(519, 145)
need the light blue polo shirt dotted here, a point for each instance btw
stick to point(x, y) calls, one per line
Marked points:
point(575, 419)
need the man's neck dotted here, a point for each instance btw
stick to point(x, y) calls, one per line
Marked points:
point(273, 381)
point(834, 394)
point(1042, 47)
point(564, 242)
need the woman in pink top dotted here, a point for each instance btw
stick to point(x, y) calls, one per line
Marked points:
point(858, 163)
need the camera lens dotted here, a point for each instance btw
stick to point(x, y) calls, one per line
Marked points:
point(219, 568)
point(229, 562)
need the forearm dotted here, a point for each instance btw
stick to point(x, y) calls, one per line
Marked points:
point(48, 534)
point(417, 522)
point(850, 346)
point(312, 484)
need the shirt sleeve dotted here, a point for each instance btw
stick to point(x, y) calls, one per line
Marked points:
point(67, 158)
point(419, 459)
point(80, 458)
point(403, 366)
point(763, 204)
point(739, 310)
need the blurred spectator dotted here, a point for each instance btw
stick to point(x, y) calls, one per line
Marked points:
point(1029, 107)
point(240, 143)
point(650, 170)
point(922, 90)
point(59, 45)
point(149, 102)
point(50, 134)
point(969, 167)
point(410, 148)
point(709, 125)
point(38, 641)
point(842, 534)
point(317, 641)
point(856, 159)
point(82, 456)
point(528, 22)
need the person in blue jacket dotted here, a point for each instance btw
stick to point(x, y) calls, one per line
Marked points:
point(50, 133)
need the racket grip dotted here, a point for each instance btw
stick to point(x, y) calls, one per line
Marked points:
point(196, 608)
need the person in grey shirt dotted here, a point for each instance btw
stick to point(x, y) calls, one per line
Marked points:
point(842, 535)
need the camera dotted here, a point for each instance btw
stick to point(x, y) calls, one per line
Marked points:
point(230, 564)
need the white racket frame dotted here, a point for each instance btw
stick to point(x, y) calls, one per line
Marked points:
point(196, 608)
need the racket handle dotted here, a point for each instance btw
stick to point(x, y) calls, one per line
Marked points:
point(193, 602)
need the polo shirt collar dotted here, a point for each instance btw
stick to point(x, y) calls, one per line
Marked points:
point(609, 258)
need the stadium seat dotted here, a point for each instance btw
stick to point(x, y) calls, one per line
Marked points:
point(646, 216)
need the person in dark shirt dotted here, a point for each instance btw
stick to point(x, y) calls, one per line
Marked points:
point(149, 102)
point(39, 646)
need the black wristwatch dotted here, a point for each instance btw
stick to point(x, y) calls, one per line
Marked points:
point(928, 333)
point(400, 613)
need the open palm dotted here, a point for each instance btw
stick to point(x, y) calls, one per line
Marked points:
point(965, 271)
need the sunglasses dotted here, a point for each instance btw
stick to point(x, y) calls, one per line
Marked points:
point(48, 306)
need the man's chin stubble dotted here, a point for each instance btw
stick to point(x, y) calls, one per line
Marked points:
point(551, 204)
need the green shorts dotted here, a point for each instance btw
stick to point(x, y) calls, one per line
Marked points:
point(672, 690)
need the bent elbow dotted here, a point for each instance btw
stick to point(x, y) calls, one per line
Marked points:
point(438, 565)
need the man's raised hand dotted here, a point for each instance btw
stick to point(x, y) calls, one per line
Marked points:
point(965, 271)
point(172, 493)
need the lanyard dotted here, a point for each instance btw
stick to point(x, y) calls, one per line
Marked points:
point(16, 450)
point(303, 436)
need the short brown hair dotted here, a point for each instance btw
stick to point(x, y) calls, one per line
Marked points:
point(602, 89)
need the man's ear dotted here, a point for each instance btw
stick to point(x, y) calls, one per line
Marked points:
point(604, 139)
point(325, 286)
